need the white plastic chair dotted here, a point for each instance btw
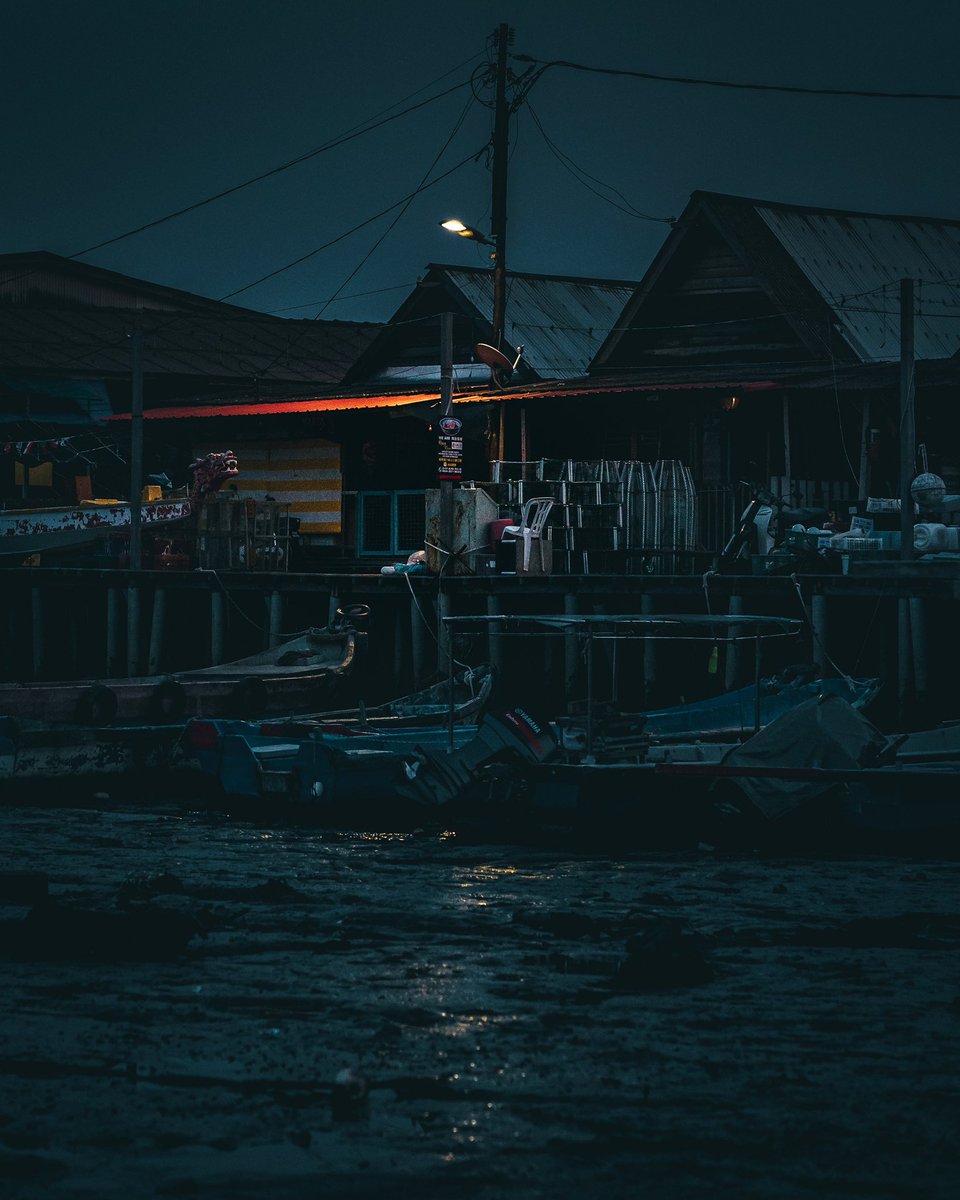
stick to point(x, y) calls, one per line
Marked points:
point(532, 520)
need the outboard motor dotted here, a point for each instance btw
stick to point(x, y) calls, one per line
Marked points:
point(436, 779)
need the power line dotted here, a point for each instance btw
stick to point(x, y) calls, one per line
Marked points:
point(423, 181)
point(293, 162)
point(395, 287)
point(369, 220)
point(793, 89)
point(576, 171)
point(350, 134)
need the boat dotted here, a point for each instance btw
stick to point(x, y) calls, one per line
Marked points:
point(295, 676)
point(322, 772)
point(350, 759)
point(819, 777)
point(457, 699)
point(26, 531)
point(732, 715)
point(39, 756)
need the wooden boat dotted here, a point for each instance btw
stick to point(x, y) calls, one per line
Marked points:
point(297, 675)
point(36, 754)
point(32, 530)
point(458, 700)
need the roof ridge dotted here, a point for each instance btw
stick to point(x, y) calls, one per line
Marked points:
point(786, 206)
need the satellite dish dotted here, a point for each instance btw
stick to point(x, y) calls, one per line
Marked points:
point(501, 368)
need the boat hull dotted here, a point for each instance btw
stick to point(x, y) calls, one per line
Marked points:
point(30, 531)
point(297, 676)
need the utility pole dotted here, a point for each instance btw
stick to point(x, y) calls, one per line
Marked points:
point(501, 140)
point(446, 404)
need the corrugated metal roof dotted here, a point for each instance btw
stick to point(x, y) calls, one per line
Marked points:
point(855, 261)
point(265, 408)
point(560, 321)
point(96, 341)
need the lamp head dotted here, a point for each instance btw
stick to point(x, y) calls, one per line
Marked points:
point(455, 225)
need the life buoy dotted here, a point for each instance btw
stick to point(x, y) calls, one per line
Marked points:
point(97, 705)
point(168, 701)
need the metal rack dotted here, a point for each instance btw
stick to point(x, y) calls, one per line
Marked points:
point(238, 534)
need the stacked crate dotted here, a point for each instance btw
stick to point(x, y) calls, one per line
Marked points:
point(609, 515)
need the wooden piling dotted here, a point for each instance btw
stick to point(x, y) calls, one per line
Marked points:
point(904, 660)
point(157, 621)
point(444, 637)
point(494, 637)
point(733, 658)
point(133, 630)
point(918, 643)
point(649, 649)
point(36, 629)
point(276, 619)
point(818, 618)
point(217, 622)
point(571, 652)
point(418, 641)
point(113, 632)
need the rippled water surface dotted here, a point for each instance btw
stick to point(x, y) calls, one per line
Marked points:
point(523, 1020)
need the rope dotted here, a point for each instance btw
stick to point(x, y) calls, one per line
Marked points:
point(816, 636)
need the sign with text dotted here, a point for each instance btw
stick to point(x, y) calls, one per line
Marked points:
point(450, 448)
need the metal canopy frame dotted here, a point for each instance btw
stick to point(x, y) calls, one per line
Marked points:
point(591, 627)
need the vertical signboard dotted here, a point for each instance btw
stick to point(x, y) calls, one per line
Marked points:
point(450, 448)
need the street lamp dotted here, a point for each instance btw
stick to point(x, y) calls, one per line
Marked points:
point(455, 225)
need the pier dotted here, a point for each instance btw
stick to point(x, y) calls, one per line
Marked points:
point(896, 621)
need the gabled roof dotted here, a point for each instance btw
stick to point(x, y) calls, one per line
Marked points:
point(560, 320)
point(47, 280)
point(216, 345)
point(820, 265)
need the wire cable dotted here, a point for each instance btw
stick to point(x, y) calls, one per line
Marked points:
point(362, 225)
point(577, 172)
point(793, 89)
point(420, 186)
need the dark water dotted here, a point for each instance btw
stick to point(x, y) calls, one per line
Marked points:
point(527, 1021)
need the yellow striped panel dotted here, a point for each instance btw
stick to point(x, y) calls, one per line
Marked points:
point(306, 475)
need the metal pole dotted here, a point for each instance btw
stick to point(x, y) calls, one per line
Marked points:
point(450, 685)
point(908, 451)
point(136, 446)
point(501, 139)
point(446, 403)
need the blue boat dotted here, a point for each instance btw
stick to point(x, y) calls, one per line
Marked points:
point(327, 773)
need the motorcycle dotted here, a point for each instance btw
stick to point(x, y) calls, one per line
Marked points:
point(763, 527)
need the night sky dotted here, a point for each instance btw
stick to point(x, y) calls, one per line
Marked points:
point(117, 113)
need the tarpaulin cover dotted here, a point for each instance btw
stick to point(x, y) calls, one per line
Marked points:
point(825, 732)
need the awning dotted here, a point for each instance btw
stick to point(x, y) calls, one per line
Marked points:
point(268, 408)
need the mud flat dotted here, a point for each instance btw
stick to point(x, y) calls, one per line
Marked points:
point(183, 995)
